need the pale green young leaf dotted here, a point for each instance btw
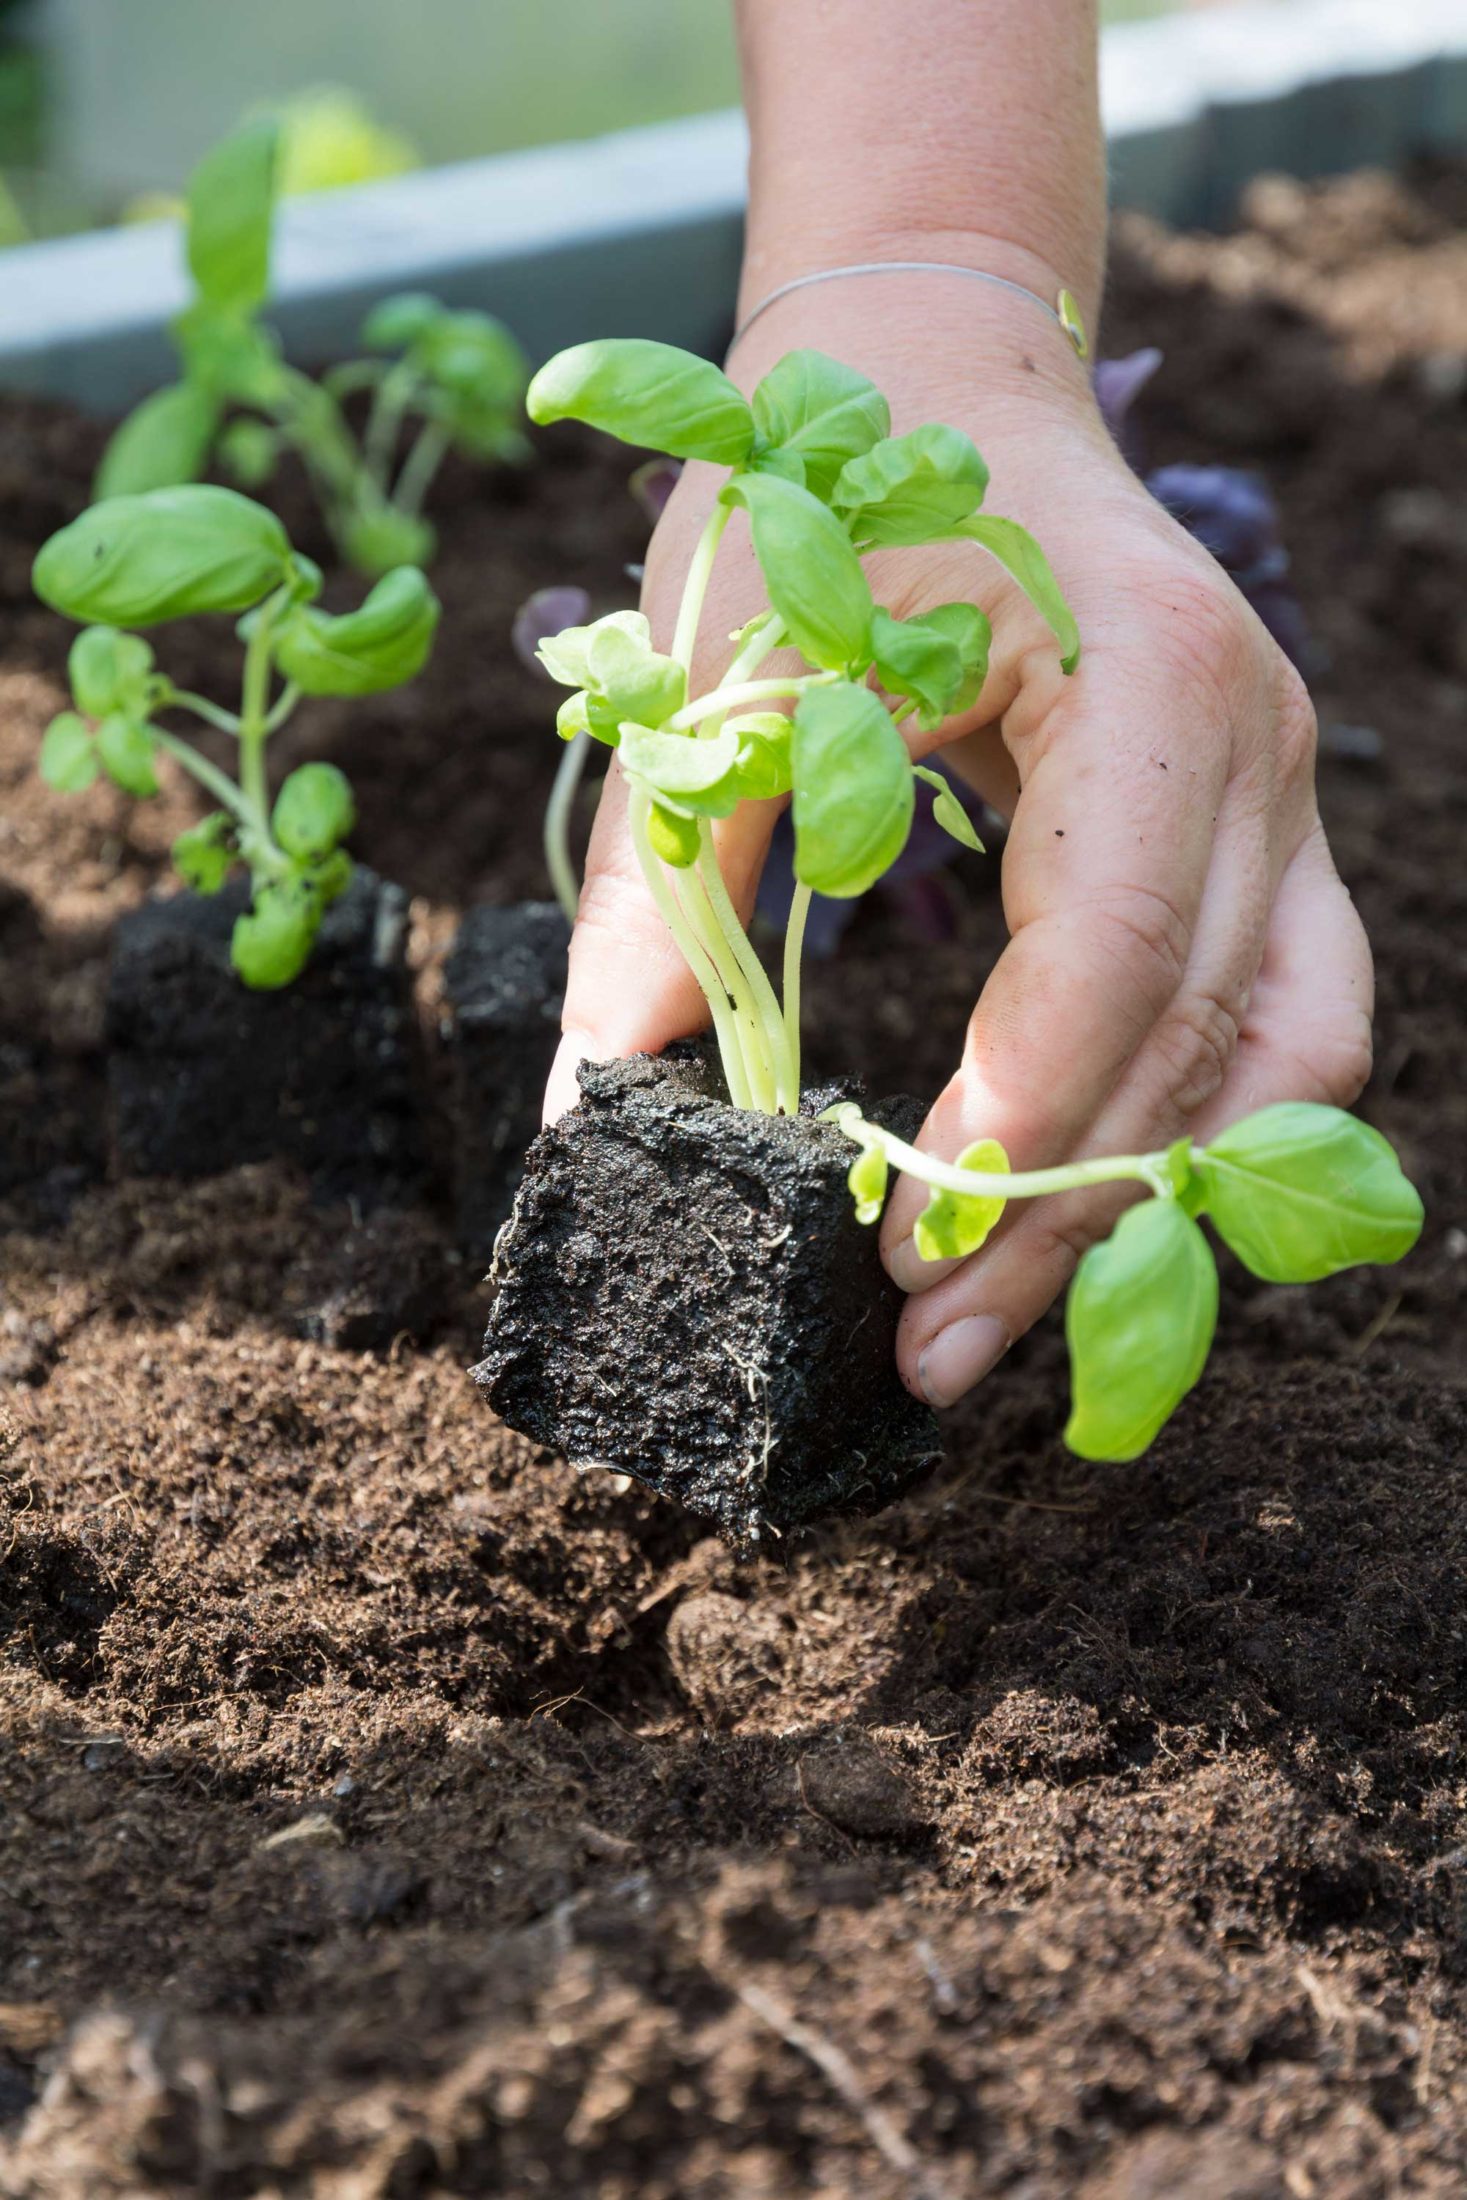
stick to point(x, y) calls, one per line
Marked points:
point(646, 393)
point(954, 1224)
point(813, 576)
point(271, 943)
point(673, 837)
point(866, 1181)
point(765, 764)
point(1141, 1313)
point(68, 760)
point(819, 411)
point(566, 656)
point(630, 680)
point(1300, 1190)
point(164, 440)
point(1025, 563)
point(230, 209)
point(947, 811)
point(912, 488)
point(853, 791)
point(700, 776)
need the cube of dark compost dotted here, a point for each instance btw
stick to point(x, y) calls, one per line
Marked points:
point(503, 987)
point(683, 1293)
point(205, 1074)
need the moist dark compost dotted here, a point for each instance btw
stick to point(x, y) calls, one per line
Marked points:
point(205, 1074)
point(502, 989)
point(390, 1812)
point(684, 1294)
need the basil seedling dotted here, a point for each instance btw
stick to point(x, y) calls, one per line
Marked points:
point(140, 561)
point(1297, 1192)
point(459, 375)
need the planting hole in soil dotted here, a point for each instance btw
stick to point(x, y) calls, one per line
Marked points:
point(385, 1804)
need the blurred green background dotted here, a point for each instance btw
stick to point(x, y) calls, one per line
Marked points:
point(104, 104)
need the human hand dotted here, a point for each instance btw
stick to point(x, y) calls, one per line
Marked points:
point(1181, 948)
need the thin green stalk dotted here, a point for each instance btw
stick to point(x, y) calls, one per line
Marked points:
point(219, 784)
point(379, 440)
point(693, 893)
point(253, 714)
point(557, 825)
point(794, 942)
point(692, 950)
point(1071, 1176)
point(211, 713)
point(690, 610)
point(756, 978)
point(419, 467)
point(726, 698)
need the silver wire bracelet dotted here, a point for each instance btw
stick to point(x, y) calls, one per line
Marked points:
point(1064, 311)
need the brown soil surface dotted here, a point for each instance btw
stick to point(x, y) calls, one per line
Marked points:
point(387, 1813)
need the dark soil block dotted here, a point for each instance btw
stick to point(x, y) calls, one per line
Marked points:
point(503, 987)
point(684, 1294)
point(205, 1074)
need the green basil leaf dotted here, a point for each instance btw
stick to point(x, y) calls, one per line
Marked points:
point(948, 812)
point(1140, 1318)
point(332, 876)
point(649, 394)
point(954, 1224)
point(271, 943)
point(249, 451)
point(820, 412)
point(204, 855)
point(1299, 1191)
point(164, 440)
point(68, 759)
point(109, 671)
point(314, 810)
point(673, 837)
point(853, 791)
point(125, 753)
point(471, 355)
point(235, 360)
point(1025, 563)
point(919, 662)
point(574, 716)
point(866, 1182)
point(135, 561)
point(912, 488)
point(813, 575)
point(700, 776)
point(400, 320)
point(231, 206)
point(765, 765)
point(379, 541)
point(380, 645)
point(968, 627)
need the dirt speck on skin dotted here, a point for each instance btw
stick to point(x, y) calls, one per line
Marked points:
point(388, 1812)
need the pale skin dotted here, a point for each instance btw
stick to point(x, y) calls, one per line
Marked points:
point(1181, 948)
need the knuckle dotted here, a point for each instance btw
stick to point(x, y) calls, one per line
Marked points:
point(1063, 1237)
point(1341, 1061)
point(1206, 635)
point(1143, 927)
point(1196, 1041)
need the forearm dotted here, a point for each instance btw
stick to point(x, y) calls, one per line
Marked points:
point(948, 129)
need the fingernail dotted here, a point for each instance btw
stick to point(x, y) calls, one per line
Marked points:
point(910, 1272)
point(960, 1356)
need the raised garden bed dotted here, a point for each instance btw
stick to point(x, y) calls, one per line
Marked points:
point(383, 1801)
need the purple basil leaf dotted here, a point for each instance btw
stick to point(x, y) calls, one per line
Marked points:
point(546, 612)
point(1117, 384)
point(654, 483)
point(1229, 512)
